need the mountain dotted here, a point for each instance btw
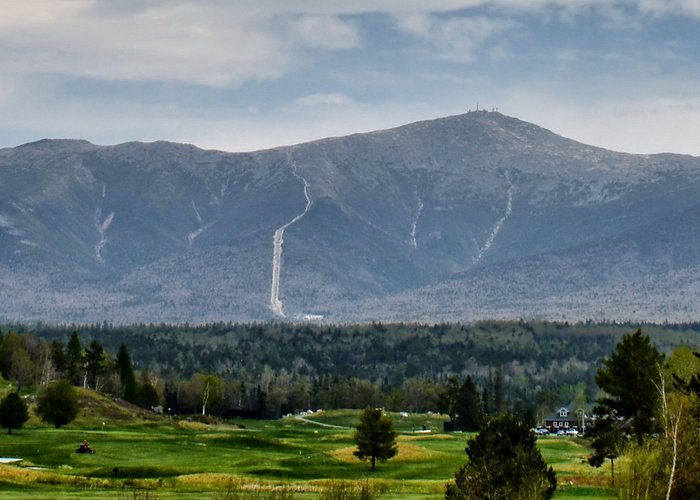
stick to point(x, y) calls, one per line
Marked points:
point(472, 216)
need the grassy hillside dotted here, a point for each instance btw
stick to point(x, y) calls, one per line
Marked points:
point(140, 455)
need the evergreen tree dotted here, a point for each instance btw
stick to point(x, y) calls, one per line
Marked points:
point(74, 352)
point(13, 412)
point(468, 407)
point(126, 374)
point(57, 403)
point(631, 377)
point(147, 396)
point(447, 399)
point(499, 392)
point(504, 462)
point(59, 358)
point(94, 363)
point(375, 437)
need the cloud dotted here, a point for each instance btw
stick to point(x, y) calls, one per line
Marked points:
point(456, 39)
point(333, 99)
point(666, 7)
point(198, 43)
point(220, 43)
point(326, 32)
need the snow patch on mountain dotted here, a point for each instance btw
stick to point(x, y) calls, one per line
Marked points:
point(499, 223)
point(414, 224)
point(102, 228)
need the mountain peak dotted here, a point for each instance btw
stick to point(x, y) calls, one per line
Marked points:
point(459, 218)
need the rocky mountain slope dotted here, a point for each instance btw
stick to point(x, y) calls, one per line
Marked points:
point(470, 216)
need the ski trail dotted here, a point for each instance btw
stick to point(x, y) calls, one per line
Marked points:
point(414, 242)
point(499, 224)
point(275, 303)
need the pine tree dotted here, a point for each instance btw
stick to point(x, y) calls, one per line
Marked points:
point(631, 377)
point(74, 352)
point(94, 362)
point(126, 374)
point(468, 407)
point(375, 437)
point(504, 462)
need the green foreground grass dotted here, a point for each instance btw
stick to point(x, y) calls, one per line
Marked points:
point(141, 456)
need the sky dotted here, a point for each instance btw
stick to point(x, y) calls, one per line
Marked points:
point(242, 75)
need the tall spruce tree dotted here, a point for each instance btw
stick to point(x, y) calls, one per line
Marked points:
point(74, 352)
point(630, 378)
point(126, 374)
point(94, 363)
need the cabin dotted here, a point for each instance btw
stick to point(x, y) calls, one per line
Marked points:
point(565, 419)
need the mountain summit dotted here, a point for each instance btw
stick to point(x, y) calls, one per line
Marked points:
point(459, 218)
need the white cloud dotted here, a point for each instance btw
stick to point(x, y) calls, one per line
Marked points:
point(333, 99)
point(326, 32)
point(196, 43)
point(220, 43)
point(664, 7)
point(456, 39)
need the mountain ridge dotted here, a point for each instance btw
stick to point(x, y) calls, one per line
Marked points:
point(382, 225)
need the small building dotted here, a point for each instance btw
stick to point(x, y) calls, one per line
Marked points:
point(566, 419)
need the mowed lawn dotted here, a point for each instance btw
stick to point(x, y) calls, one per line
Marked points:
point(147, 457)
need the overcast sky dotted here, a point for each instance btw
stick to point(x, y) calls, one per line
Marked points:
point(242, 75)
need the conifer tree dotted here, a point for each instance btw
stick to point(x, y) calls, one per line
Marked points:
point(94, 362)
point(375, 437)
point(468, 407)
point(74, 352)
point(504, 462)
point(631, 377)
point(126, 374)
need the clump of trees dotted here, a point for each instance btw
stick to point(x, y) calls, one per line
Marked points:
point(525, 367)
point(649, 413)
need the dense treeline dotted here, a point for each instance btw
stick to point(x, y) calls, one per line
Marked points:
point(269, 368)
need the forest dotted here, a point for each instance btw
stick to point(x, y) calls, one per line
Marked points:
point(271, 369)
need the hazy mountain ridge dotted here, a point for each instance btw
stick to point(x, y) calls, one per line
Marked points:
point(463, 217)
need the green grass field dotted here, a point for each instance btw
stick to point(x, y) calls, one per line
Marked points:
point(140, 456)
